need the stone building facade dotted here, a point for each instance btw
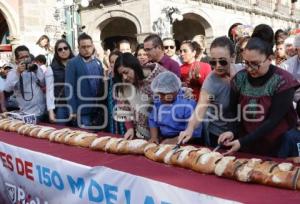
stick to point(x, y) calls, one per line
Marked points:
point(109, 20)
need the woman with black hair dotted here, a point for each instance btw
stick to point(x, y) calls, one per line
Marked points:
point(193, 72)
point(134, 94)
point(113, 126)
point(141, 54)
point(214, 95)
point(280, 36)
point(55, 78)
point(264, 94)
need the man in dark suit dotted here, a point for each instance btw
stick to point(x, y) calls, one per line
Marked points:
point(88, 95)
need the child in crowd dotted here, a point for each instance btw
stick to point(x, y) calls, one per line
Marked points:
point(171, 110)
point(41, 61)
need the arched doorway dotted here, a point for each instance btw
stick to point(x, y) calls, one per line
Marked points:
point(191, 25)
point(115, 29)
point(4, 30)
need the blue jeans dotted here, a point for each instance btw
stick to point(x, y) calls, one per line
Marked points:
point(290, 144)
point(62, 113)
point(86, 120)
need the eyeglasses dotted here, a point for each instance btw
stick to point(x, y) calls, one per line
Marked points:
point(148, 49)
point(171, 47)
point(62, 48)
point(85, 46)
point(221, 62)
point(253, 65)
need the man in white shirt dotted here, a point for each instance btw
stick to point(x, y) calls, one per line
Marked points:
point(26, 81)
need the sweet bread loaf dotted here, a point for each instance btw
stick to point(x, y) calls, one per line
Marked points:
point(243, 173)
point(284, 166)
point(35, 131)
point(225, 165)
point(70, 135)
point(13, 127)
point(99, 143)
point(297, 179)
point(284, 179)
point(121, 147)
point(60, 137)
point(262, 171)
point(82, 139)
point(150, 146)
point(232, 168)
point(158, 153)
point(112, 145)
point(5, 123)
point(135, 146)
point(45, 132)
point(194, 154)
point(206, 163)
point(29, 129)
point(23, 128)
point(179, 156)
point(57, 133)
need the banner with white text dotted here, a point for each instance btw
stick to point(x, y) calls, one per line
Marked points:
point(30, 177)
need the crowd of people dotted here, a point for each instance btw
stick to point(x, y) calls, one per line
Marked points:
point(244, 95)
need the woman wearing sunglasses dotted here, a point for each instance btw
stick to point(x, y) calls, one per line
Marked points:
point(193, 73)
point(55, 78)
point(214, 95)
point(265, 94)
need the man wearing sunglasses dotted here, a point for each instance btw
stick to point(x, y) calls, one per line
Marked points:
point(170, 49)
point(154, 48)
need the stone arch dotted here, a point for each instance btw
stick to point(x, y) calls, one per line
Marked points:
point(115, 29)
point(201, 24)
point(4, 30)
point(11, 20)
point(98, 23)
point(202, 17)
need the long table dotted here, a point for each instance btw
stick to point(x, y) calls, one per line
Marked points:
point(141, 166)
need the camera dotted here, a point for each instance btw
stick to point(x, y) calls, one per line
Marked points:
point(29, 66)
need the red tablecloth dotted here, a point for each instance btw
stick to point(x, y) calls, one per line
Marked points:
point(139, 165)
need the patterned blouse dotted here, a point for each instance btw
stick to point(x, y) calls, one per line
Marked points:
point(137, 102)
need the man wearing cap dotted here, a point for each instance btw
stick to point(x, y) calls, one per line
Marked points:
point(4, 68)
point(10, 102)
point(289, 47)
point(292, 64)
point(171, 110)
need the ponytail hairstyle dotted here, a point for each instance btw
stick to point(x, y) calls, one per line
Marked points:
point(262, 40)
point(224, 42)
point(194, 46)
